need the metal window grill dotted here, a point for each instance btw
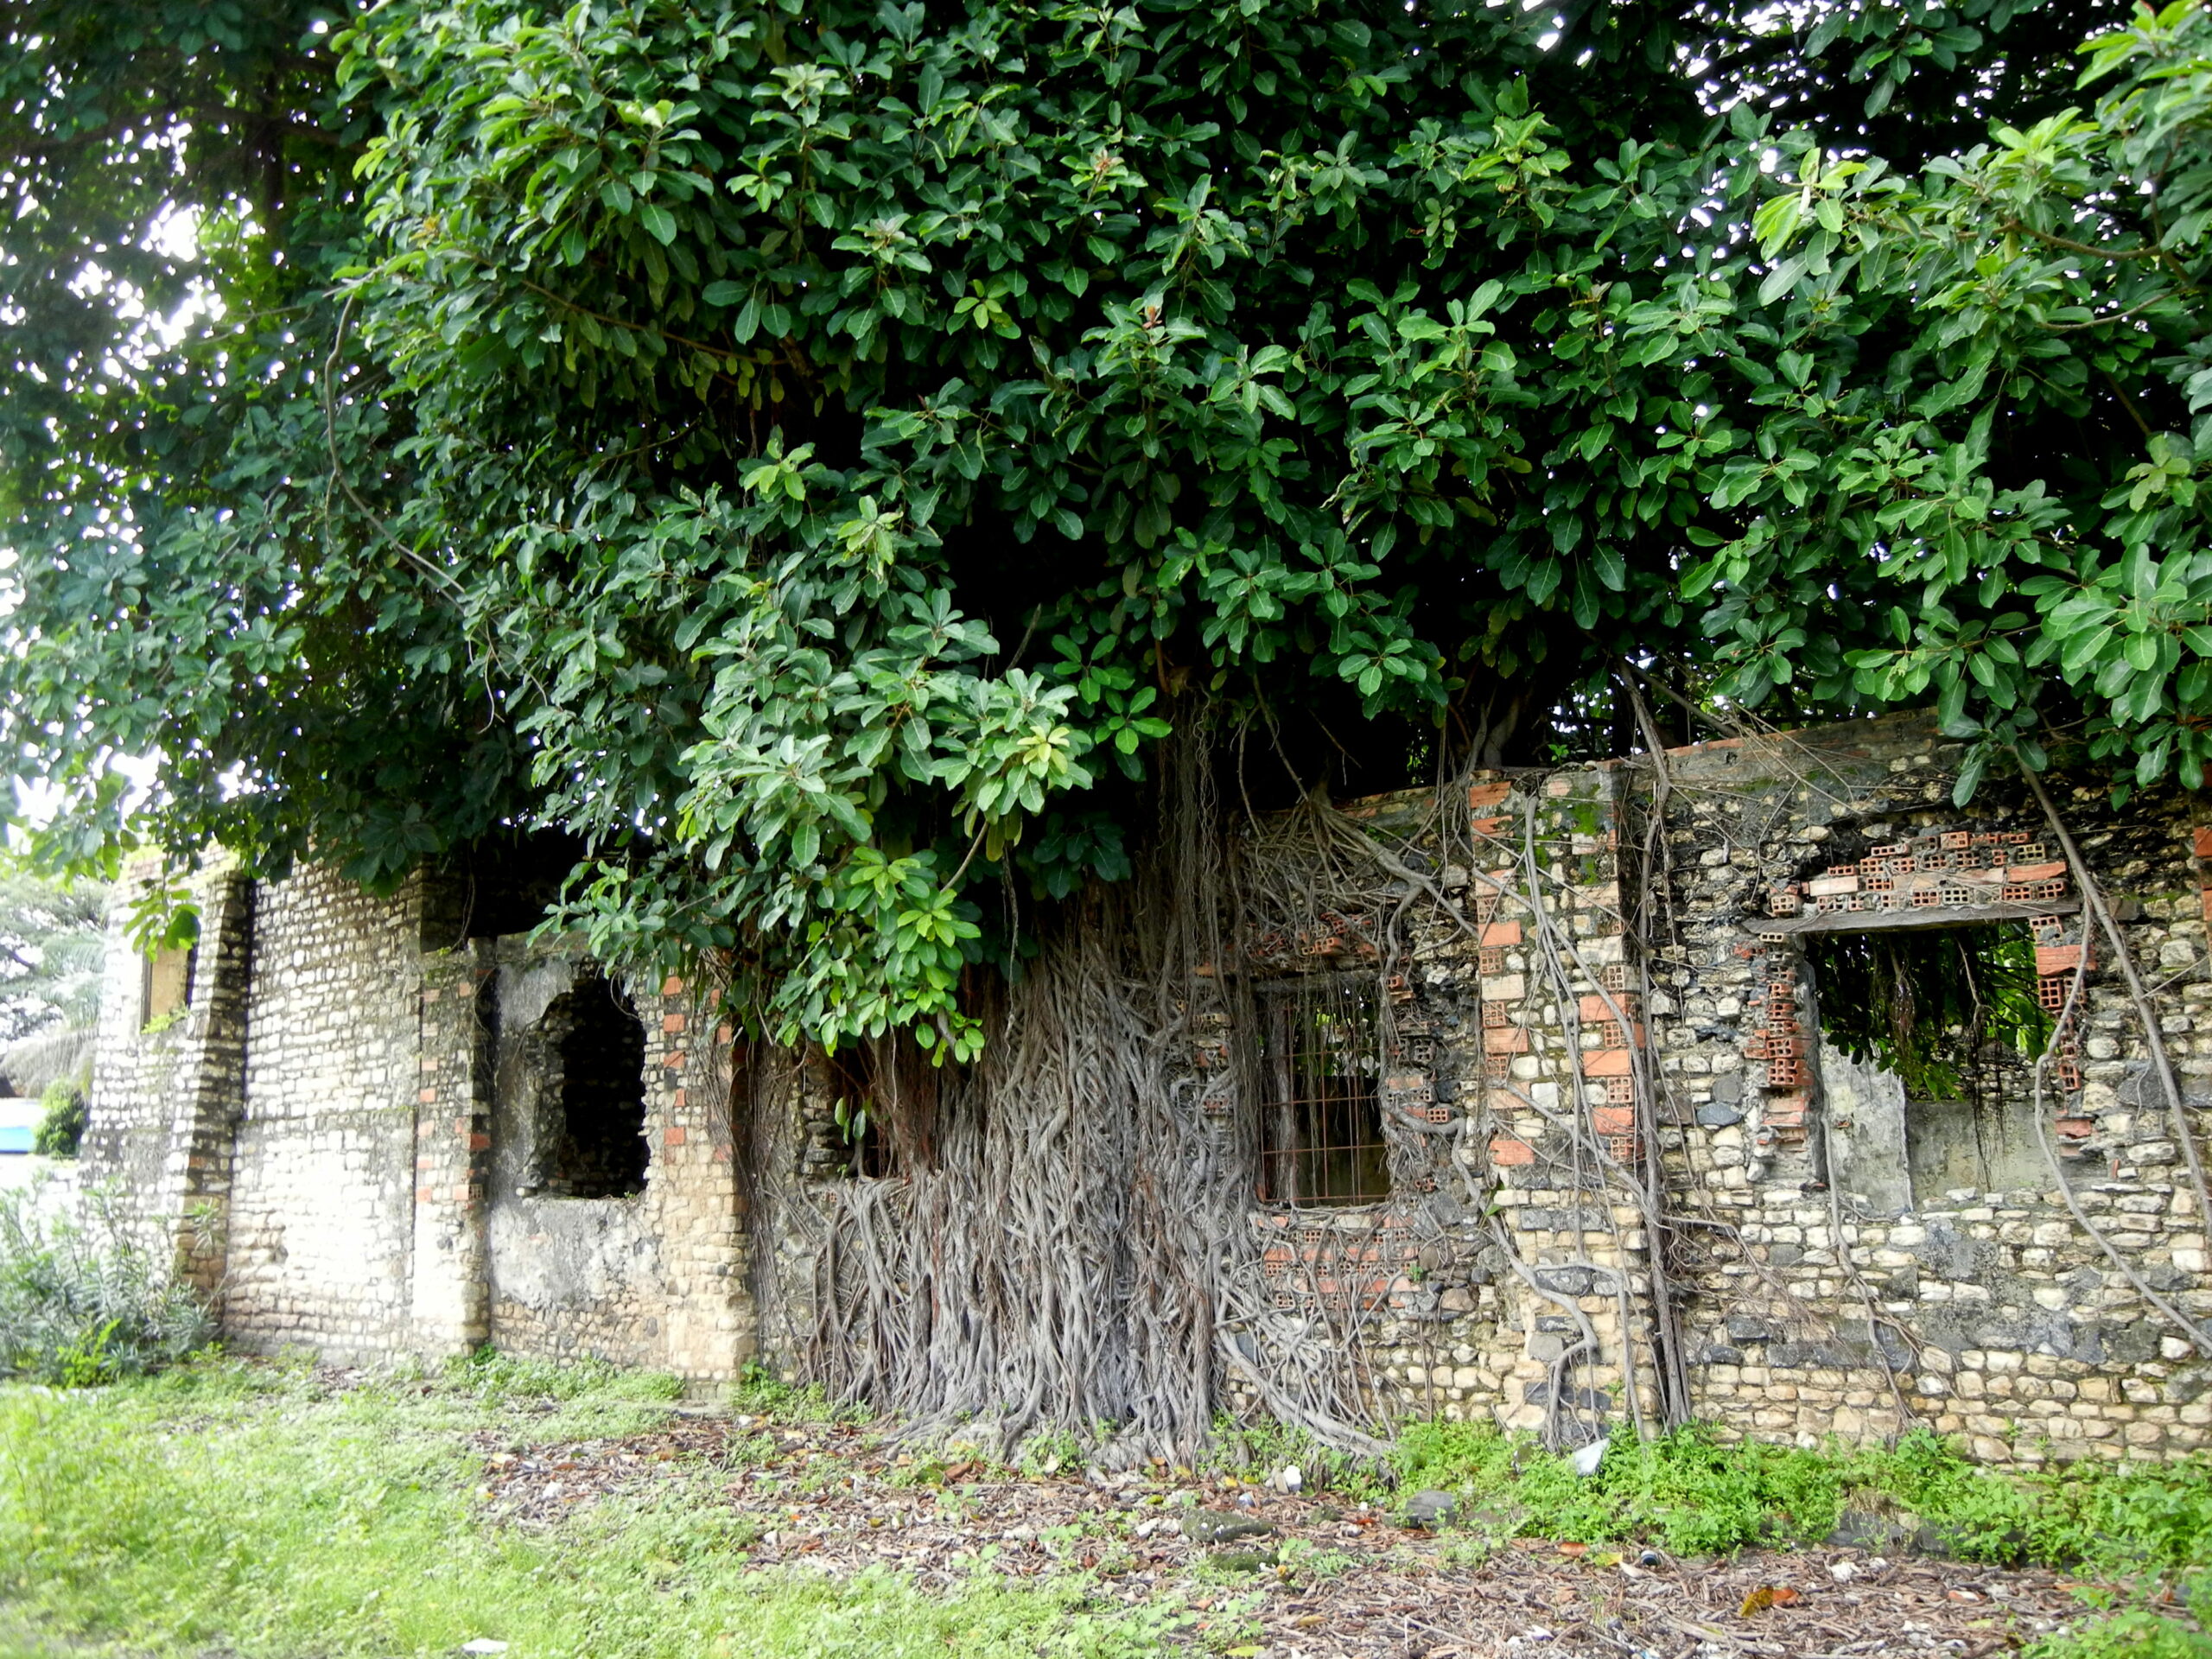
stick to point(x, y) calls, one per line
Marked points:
point(1320, 1119)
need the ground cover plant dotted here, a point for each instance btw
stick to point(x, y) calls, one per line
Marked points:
point(280, 1510)
point(1692, 1493)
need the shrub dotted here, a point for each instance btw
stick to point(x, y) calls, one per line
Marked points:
point(62, 1131)
point(759, 1392)
point(81, 1302)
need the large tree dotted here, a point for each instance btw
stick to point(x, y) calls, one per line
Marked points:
point(814, 452)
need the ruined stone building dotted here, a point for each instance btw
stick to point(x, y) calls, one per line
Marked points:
point(1761, 1085)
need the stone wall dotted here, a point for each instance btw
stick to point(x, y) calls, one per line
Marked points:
point(1614, 1019)
point(1657, 1004)
point(1998, 1317)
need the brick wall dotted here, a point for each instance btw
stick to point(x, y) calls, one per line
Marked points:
point(165, 1100)
point(316, 1135)
point(320, 1243)
point(652, 1278)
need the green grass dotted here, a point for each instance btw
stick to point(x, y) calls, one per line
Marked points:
point(263, 1510)
point(1692, 1495)
point(256, 1509)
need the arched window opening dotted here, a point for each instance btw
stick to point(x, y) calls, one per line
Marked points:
point(165, 985)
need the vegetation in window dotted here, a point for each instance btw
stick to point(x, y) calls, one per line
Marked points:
point(1943, 1009)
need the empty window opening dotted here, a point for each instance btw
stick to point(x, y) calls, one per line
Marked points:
point(598, 1044)
point(1320, 1116)
point(1948, 1021)
point(859, 1117)
point(165, 985)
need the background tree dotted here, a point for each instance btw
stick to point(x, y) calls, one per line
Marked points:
point(813, 453)
point(51, 946)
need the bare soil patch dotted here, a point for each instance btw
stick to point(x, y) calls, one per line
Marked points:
point(1328, 1577)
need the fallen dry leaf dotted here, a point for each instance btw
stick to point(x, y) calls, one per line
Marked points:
point(1397, 1595)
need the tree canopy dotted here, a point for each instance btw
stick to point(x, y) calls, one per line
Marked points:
point(814, 453)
